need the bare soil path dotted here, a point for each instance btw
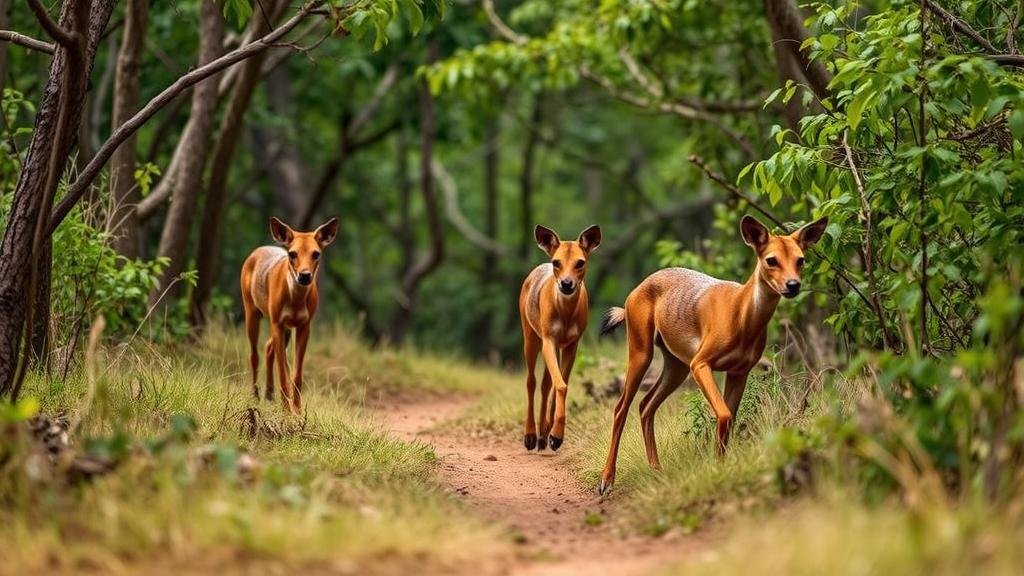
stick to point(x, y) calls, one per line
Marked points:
point(535, 495)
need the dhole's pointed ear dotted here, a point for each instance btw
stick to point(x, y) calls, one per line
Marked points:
point(546, 239)
point(326, 233)
point(590, 238)
point(754, 233)
point(809, 234)
point(281, 232)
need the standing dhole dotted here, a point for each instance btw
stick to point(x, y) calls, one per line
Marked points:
point(279, 282)
point(553, 309)
point(702, 324)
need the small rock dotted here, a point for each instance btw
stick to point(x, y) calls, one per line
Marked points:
point(491, 458)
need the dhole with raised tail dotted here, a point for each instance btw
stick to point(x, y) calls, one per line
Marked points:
point(279, 282)
point(702, 324)
point(553, 308)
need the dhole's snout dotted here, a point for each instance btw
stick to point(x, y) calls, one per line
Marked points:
point(305, 278)
point(567, 286)
point(792, 288)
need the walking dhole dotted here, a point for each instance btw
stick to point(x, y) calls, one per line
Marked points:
point(553, 307)
point(702, 324)
point(279, 282)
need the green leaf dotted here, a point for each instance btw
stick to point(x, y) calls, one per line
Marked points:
point(1016, 122)
point(828, 41)
point(241, 8)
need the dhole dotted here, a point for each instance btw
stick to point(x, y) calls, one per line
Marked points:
point(553, 309)
point(702, 324)
point(279, 282)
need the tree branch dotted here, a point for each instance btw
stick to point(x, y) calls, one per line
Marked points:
point(1011, 59)
point(733, 189)
point(62, 36)
point(503, 29)
point(679, 109)
point(961, 26)
point(866, 248)
point(26, 41)
point(92, 170)
point(457, 218)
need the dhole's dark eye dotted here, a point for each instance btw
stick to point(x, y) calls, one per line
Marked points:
point(580, 263)
point(316, 255)
point(799, 262)
point(557, 264)
point(293, 255)
point(771, 261)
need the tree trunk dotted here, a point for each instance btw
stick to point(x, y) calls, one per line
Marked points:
point(787, 25)
point(526, 178)
point(428, 262)
point(37, 184)
point(489, 265)
point(231, 129)
point(124, 224)
point(5, 19)
point(284, 160)
point(188, 179)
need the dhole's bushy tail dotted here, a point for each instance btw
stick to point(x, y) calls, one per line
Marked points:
point(613, 318)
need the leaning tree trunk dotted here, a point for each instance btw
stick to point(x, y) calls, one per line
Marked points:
point(37, 185)
point(231, 129)
point(124, 223)
point(421, 267)
point(787, 25)
point(188, 179)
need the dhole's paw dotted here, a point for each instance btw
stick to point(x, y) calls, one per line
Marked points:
point(542, 443)
point(604, 487)
point(556, 442)
point(530, 441)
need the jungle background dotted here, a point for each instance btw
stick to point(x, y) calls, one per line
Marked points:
point(145, 145)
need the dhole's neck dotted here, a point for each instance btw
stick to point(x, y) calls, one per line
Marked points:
point(757, 304)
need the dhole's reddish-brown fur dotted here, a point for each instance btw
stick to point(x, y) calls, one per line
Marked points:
point(279, 282)
point(553, 307)
point(703, 324)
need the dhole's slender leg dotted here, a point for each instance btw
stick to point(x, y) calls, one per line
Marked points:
point(706, 382)
point(547, 407)
point(641, 351)
point(672, 375)
point(269, 390)
point(301, 339)
point(531, 347)
point(565, 363)
point(252, 329)
point(734, 386)
point(550, 352)
point(277, 334)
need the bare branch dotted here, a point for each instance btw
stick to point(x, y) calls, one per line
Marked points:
point(960, 26)
point(679, 109)
point(26, 41)
point(633, 67)
point(457, 218)
point(867, 250)
point(366, 113)
point(92, 170)
point(502, 28)
point(733, 189)
point(62, 36)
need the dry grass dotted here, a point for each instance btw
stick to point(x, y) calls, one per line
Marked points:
point(332, 491)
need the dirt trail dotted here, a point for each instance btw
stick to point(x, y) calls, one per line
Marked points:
point(535, 495)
